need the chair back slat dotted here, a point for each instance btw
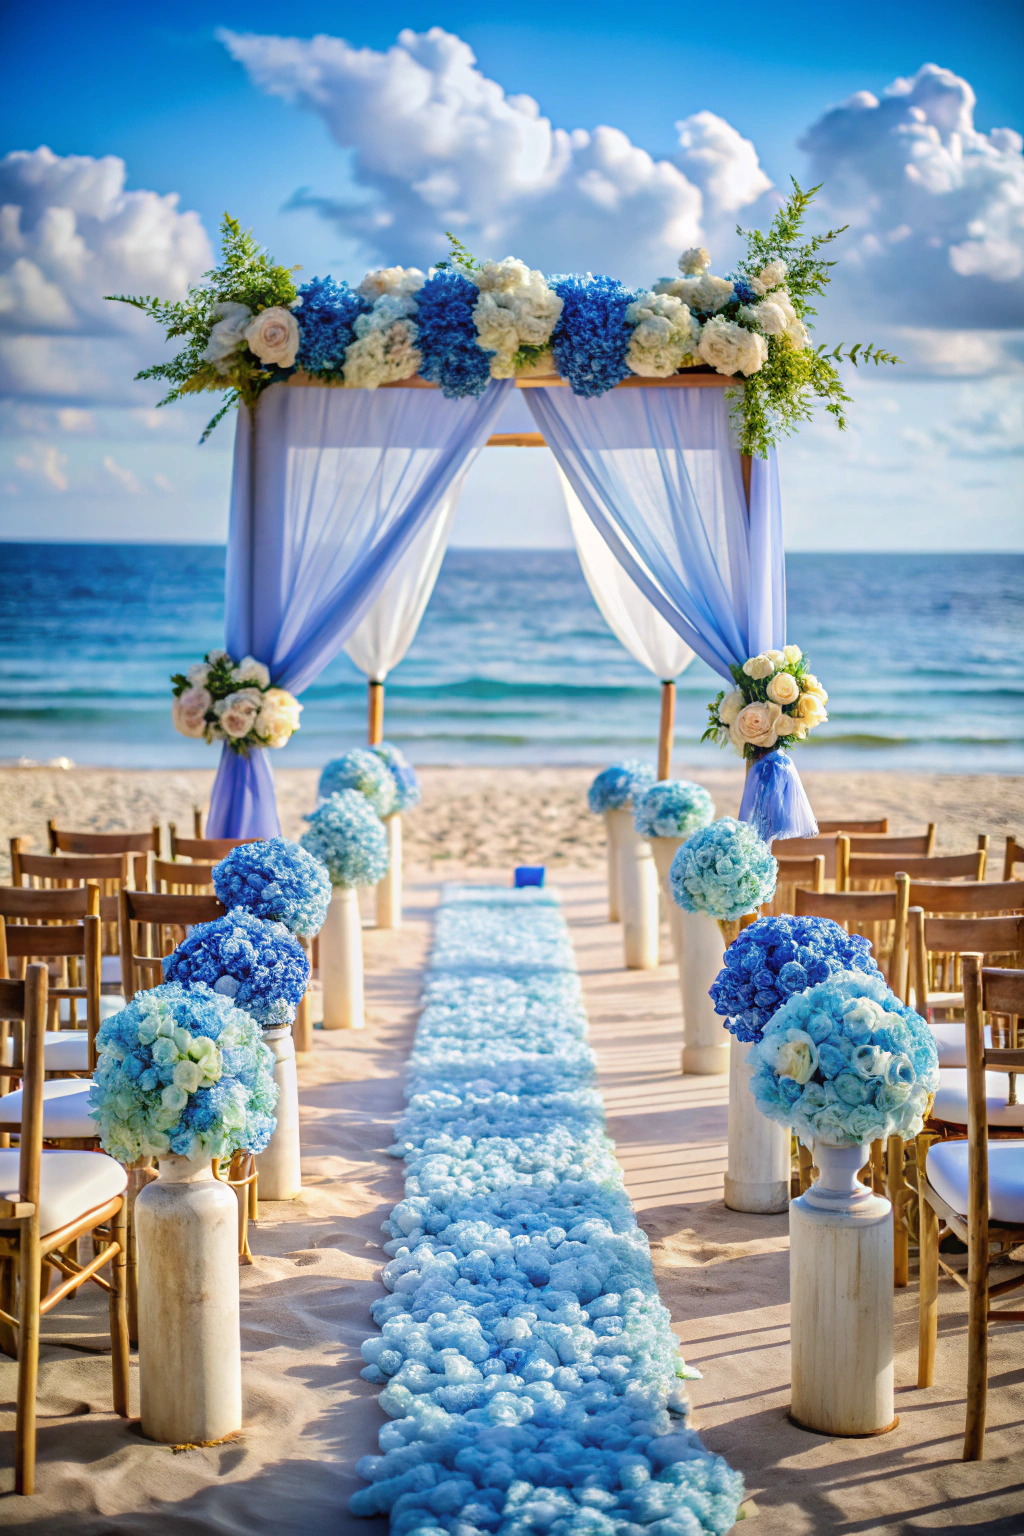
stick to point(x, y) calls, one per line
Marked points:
point(1002, 990)
point(979, 897)
point(77, 868)
point(22, 903)
point(922, 847)
point(64, 840)
point(987, 935)
point(830, 828)
point(206, 850)
point(12, 999)
point(36, 940)
point(808, 848)
point(173, 875)
point(884, 866)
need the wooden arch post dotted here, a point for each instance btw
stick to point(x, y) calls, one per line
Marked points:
point(374, 713)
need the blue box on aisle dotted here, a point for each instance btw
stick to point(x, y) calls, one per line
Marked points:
point(528, 874)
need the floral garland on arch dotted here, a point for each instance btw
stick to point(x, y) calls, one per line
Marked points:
point(464, 322)
point(219, 699)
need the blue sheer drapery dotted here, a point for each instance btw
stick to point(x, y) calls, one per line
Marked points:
point(659, 474)
point(328, 492)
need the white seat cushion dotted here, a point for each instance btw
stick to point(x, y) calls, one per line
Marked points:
point(66, 1050)
point(70, 1184)
point(951, 1098)
point(110, 1003)
point(947, 1174)
point(951, 1043)
point(65, 1109)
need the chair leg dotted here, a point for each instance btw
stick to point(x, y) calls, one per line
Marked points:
point(28, 1364)
point(119, 1350)
point(8, 1304)
point(897, 1194)
point(977, 1350)
point(928, 1299)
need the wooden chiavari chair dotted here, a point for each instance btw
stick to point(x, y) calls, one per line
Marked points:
point(860, 871)
point(51, 1199)
point(974, 1187)
point(936, 947)
point(981, 898)
point(63, 840)
point(73, 1050)
point(808, 872)
point(174, 877)
point(205, 850)
point(1014, 856)
point(873, 835)
point(111, 872)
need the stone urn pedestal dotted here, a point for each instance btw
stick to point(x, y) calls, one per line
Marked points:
point(341, 961)
point(279, 1167)
point(638, 888)
point(389, 890)
point(757, 1176)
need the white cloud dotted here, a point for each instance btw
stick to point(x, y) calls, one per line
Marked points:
point(44, 464)
point(125, 478)
point(436, 146)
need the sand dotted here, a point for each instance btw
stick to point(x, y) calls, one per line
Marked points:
point(499, 817)
point(305, 1309)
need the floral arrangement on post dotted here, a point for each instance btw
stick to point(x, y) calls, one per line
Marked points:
point(407, 785)
point(277, 881)
point(365, 771)
point(724, 870)
point(775, 703)
point(465, 322)
point(845, 1063)
point(619, 787)
point(348, 837)
point(183, 1071)
point(673, 808)
point(258, 965)
point(219, 699)
point(776, 957)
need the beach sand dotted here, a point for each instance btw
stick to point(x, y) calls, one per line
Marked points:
point(305, 1301)
point(498, 817)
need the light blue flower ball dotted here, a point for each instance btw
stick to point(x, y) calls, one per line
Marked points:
point(724, 870)
point(363, 770)
point(348, 837)
point(618, 787)
point(673, 808)
point(407, 785)
point(278, 881)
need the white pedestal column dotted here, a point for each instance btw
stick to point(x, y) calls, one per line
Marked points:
point(758, 1171)
point(389, 890)
point(841, 1301)
point(614, 823)
point(190, 1361)
point(280, 1167)
point(341, 961)
point(639, 898)
point(705, 1038)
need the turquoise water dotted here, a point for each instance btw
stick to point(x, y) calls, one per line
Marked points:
point(921, 655)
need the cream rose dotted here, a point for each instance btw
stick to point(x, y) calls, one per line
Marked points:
point(809, 683)
point(783, 688)
point(792, 652)
point(754, 726)
point(810, 709)
point(279, 717)
point(730, 707)
point(795, 1057)
point(197, 674)
point(790, 725)
point(237, 713)
point(274, 336)
point(189, 711)
point(778, 657)
point(249, 670)
point(759, 666)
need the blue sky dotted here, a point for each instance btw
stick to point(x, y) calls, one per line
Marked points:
point(933, 457)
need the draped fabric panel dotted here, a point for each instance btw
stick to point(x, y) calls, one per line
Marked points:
point(330, 490)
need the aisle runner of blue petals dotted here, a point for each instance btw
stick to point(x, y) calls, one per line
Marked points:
point(530, 1375)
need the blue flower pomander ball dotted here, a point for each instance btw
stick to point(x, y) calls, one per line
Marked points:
point(258, 965)
point(407, 785)
point(673, 808)
point(278, 881)
point(620, 786)
point(362, 770)
point(777, 957)
point(724, 870)
point(346, 834)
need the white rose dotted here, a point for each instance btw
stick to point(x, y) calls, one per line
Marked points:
point(730, 707)
point(398, 281)
point(274, 336)
point(237, 713)
point(189, 711)
point(778, 657)
point(796, 1056)
point(227, 335)
point(279, 717)
point(198, 673)
point(759, 666)
point(792, 652)
point(783, 688)
point(249, 670)
point(754, 726)
point(214, 656)
point(731, 348)
point(694, 261)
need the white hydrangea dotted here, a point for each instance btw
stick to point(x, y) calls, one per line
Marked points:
point(516, 308)
point(703, 292)
point(695, 261)
point(730, 348)
point(775, 316)
point(768, 278)
point(382, 354)
point(665, 336)
point(399, 282)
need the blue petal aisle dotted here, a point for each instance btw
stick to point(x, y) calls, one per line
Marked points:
point(529, 1372)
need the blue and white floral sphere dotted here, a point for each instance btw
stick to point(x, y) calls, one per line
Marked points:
point(618, 787)
point(777, 956)
point(673, 808)
point(258, 965)
point(845, 1063)
point(348, 837)
point(278, 881)
point(182, 1070)
point(407, 785)
point(724, 870)
point(362, 770)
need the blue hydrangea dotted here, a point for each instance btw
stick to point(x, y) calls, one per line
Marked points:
point(673, 808)
point(348, 837)
point(592, 333)
point(777, 956)
point(407, 785)
point(259, 965)
point(724, 870)
point(618, 787)
point(744, 292)
point(364, 770)
point(845, 1062)
point(325, 318)
point(278, 881)
point(447, 336)
point(184, 1071)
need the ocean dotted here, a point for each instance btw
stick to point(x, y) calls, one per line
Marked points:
point(921, 655)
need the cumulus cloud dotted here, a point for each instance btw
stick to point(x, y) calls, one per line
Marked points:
point(436, 146)
point(70, 233)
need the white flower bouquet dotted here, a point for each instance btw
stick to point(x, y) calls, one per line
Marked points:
point(775, 703)
point(220, 699)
